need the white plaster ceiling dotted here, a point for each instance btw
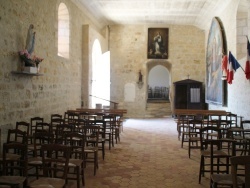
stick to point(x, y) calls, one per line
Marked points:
point(181, 12)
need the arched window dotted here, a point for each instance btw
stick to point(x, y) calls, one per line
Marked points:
point(63, 31)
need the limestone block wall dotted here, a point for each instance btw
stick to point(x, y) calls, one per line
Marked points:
point(60, 86)
point(128, 48)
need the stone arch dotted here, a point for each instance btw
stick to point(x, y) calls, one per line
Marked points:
point(151, 64)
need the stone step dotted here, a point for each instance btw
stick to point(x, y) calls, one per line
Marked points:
point(158, 109)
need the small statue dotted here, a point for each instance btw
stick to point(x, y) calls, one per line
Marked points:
point(140, 76)
point(30, 40)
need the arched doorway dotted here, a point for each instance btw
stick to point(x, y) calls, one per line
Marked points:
point(159, 82)
point(100, 76)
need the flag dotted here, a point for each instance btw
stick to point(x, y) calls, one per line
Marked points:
point(232, 66)
point(224, 67)
point(247, 67)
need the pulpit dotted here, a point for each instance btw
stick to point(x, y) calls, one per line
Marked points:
point(188, 94)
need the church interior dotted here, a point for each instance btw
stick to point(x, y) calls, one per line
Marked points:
point(147, 57)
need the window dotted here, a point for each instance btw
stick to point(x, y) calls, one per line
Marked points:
point(63, 31)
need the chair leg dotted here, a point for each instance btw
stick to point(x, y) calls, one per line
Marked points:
point(201, 168)
point(83, 176)
point(189, 145)
point(78, 176)
point(103, 150)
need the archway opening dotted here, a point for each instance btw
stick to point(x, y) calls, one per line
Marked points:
point(100, 76)
point(158, 83)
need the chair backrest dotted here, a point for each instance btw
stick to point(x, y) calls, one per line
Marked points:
point(42, 126)
point(40, 138)
point(91, 133)
point(56, 121)
point(240, 160)
point(55, 159)
point(194, 127)
point(73, 117)
point(61, 130)
point(110, 120)
point(56, 116)
point(233, 118)
point(205, 137)
point(245, 124)
point(33, 122)
point(24, 126)
point(102, 126)
point(77, 143)
point(212, 127)
point(17, 136)
point(19, 163)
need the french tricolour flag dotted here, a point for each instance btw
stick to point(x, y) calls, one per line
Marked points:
point(233, 65)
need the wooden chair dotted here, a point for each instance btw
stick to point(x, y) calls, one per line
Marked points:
point(236, 178)
point(39, 127)
point(17, 136)
point(39, 138)
point(55, 122)
point(240, 160)
point(33, 122)
point(14, 136)
point(194, 134)
point(14, 171)
point(91, 133)
point(241, 136)
point(110, 128)
point(157, 92)
point(102, 135)
point(184, 128)
point(54, 173)
point(214, 157)
point(23, 126)
point(43, 126)
point(61, 130)
point(76, 162)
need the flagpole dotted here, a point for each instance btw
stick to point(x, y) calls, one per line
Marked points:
point(241, 68)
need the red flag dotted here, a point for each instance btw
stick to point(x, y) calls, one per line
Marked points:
point(247, 67)
point(224, 67)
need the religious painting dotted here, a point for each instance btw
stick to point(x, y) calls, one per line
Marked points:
point(216, 87)
point(157, 43)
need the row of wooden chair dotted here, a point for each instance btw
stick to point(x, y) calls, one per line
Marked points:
point(44, 136)
point(38, 133)
point(219, 141)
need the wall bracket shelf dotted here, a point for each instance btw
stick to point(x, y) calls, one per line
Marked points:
point(26, 73)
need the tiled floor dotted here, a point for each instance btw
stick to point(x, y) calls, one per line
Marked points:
point(148, 156)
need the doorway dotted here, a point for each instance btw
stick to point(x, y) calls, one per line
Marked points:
point(158, 83)
point(100, 77)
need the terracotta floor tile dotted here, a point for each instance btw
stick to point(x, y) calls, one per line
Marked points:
point(148, 156)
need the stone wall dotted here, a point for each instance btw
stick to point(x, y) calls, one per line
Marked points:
point(61, 85)
point(128, 48)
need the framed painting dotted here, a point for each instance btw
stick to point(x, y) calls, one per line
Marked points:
point(216, 87)
point(157, 43)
